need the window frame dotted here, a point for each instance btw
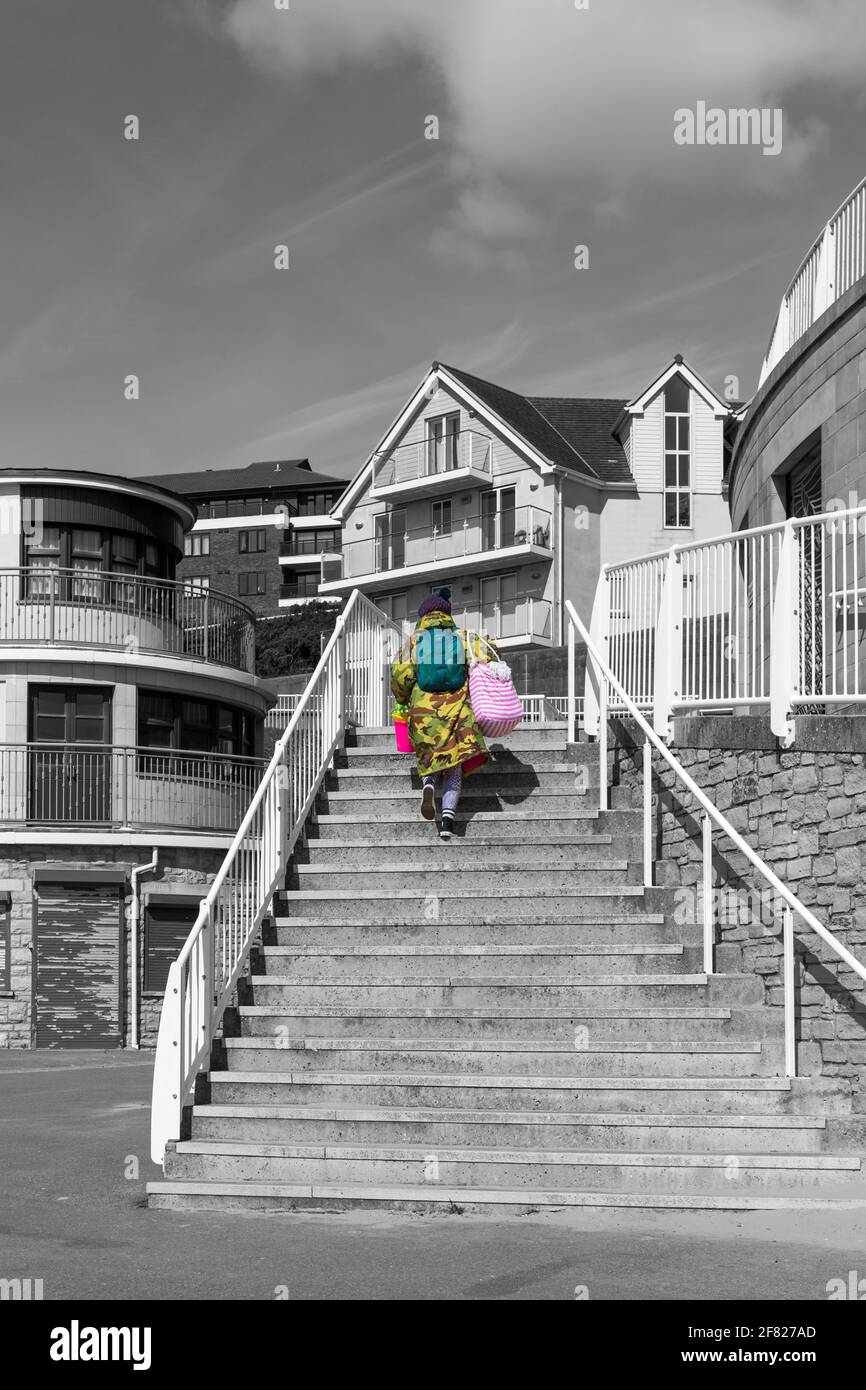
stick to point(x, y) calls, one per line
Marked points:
point(677, 490)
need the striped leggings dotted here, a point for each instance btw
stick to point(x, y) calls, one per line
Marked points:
point(452, 785)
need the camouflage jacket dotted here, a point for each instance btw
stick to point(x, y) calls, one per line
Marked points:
point(442, 726)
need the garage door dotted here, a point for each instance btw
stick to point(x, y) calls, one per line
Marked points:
point(78, 965)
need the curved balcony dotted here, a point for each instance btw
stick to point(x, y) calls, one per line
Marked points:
point(74, 786)
point(830, 267)
point(94, 608)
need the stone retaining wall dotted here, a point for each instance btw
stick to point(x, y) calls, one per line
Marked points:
point(804, 811)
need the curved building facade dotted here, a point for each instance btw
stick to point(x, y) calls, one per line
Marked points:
point(130, 735)
point(801, 449)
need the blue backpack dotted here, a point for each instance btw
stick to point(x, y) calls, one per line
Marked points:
point(440, 660)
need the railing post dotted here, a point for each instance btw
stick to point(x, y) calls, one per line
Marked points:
point(647, 814)
point(707, 895)
point(206, 619)
point(785, 624)
point(599, 631)
point(825, 274)
point(571, 734)
point(790, 1001)
point(668, 648)
point(602, 746)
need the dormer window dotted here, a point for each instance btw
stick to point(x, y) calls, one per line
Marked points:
point(677, 455)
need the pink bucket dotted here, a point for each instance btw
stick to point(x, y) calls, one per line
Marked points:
point(401, 734)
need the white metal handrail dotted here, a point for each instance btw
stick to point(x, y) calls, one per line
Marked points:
point(350, 684)
point(834, 261)
point(604, 680)
point(772, 616)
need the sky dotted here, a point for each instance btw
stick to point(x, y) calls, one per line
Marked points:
point(306, 127)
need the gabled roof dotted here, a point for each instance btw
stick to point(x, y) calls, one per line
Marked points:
point(564, 433)
point(587, 425)
point(678, 367)
point(256, 477)
point(573, 433)
point(553, 426)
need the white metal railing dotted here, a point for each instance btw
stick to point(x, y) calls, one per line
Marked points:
point(351, 685)
point(471, 535)
point(431, 457)
point(69, 784)
point(773, 617)
point(606, 685)
point(835, 260)
point(279, 716)
point(550, 709)
point(82, 607)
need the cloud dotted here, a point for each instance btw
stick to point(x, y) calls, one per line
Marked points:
point(538, 90)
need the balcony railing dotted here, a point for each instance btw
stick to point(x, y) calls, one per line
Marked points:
point(773, 617)
point(305, 543)
point(513, 618)
point(57, 784)
point(431, 457)
point(476, 535)
point(94, 608)
point(831, 266)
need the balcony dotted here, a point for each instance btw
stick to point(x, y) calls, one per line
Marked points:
point(98, 609)
point(70, 785)
point(433, 465)
point(512, 623)
point(304, 550)
point(516, 534)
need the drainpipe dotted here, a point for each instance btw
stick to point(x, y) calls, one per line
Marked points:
point(560, 561)
point(133, 924)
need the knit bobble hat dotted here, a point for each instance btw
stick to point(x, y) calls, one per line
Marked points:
point(438, 602)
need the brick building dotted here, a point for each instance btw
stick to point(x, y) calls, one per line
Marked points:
point(260, 531)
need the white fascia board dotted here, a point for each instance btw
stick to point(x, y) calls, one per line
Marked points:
point(423, 392)
point(279, 520)
point(314, 523)
point(716, 404)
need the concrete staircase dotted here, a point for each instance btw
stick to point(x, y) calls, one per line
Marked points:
point(509, 1021)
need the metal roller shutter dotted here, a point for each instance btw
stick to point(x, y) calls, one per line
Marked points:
point(78, 974)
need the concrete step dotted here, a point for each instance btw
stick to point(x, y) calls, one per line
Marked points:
point(528, 758)
point(524, 738)
point(397, 905)
point(497, 876)
point(673, 1024)
point(548, 963)
point(406, 802)
point(469, 1166)
point(515, 1092)
point(496, 992)
point(504, 777)
point(427, 1200)
point(479, 851)
point(302, 931)
point(650, 1130)
point(526, 1057)
point(570, 825)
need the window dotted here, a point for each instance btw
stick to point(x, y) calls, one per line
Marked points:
point(195, 726)
point(167, 924)
point(315, 503)
point(499, 519)
point(304, 586)
point(441, 518)
point(85, 555)
point(197, 583)
point(314, 542)
point(196, 543)
point(677, 455)
point(443, 434)
point(395, 605)
point(252, 582)
point(252, 542)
